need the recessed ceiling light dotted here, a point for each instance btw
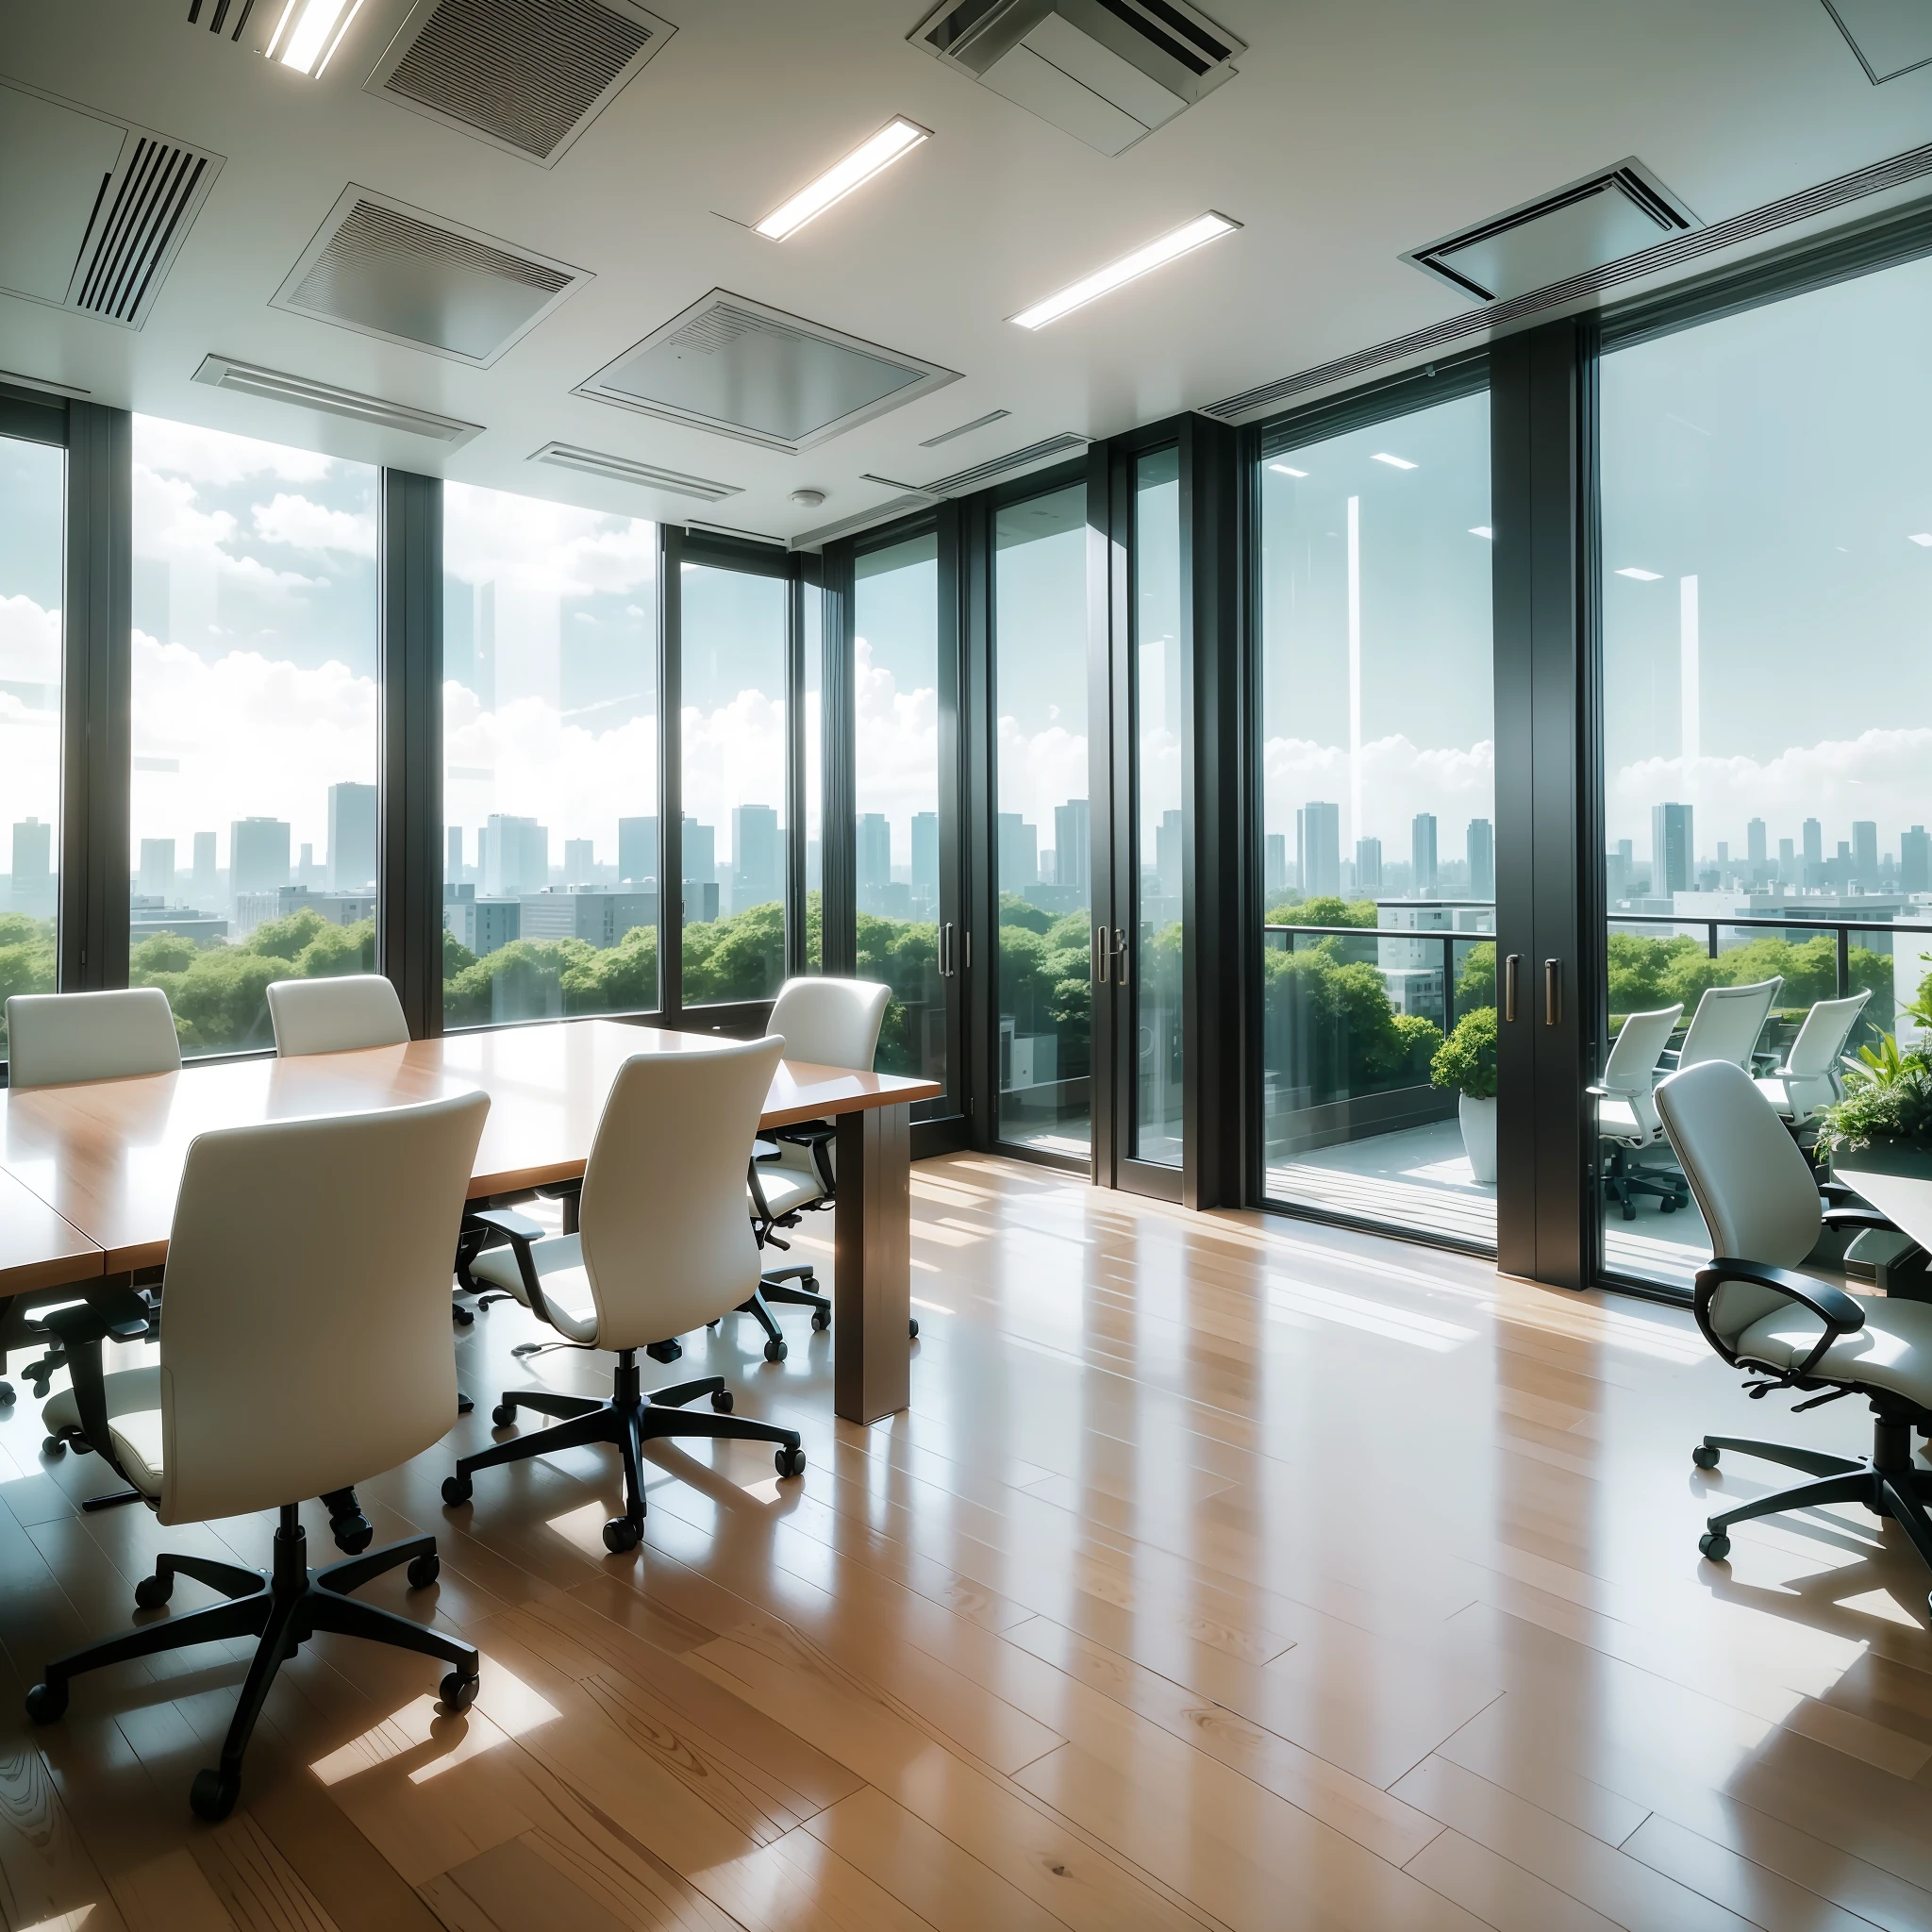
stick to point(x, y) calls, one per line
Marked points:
point(309, 32)
point(898, 137)
point(1923, 540)
point(1641, 577)
point(1382, 455)
point(1283, 470)
point(1103, 281)
point(1482, 530)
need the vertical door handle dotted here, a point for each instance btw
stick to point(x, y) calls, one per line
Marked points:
point(1512, 967)
point(1553, 992)
point(1119, 947)
point(1099, 955)
point(946, 950)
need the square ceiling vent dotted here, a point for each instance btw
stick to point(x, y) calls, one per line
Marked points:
point(1890, 37)
point(528, 75)
point(736, 367)
point(1586, 225)
point(390, 270)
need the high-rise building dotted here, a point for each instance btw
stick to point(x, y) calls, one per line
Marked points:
point(1865, 853)
point(700, 853)
point(452, 854)
point(579, 861)
point(637, 849)
point(1814, 852)
point(156, 878)
point(1673, 851)
point(1368, 865)
point(512, 856)
point(875, 863)
point(352, 822)
point(258, 856)
point(1019, 853)
point(1479, 846)
point(1753, 845)
point(1170, 855)
point(1318, 844)
point(1275, 864)
point(758, 858)
point(925, 864)
point(207, 881)
point(1915, 860)
point(1422, 846)
point(1073, 845)
point(33, 869)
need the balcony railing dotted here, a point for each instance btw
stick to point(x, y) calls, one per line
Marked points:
point(1282, 937)
point(1842, 930)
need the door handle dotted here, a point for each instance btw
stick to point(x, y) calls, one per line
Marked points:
point(946, 950)
point(1099, 955)
point(1511, 966)
point(1553, 992)
point(1119, 947)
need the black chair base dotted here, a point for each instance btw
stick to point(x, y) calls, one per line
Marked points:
point(281, 1609)
point(630, 1419)
point(1625, 1179)
point(1888, 1482)
point(775, 1285)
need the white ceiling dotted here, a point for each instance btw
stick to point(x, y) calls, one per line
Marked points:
point(1352, 132)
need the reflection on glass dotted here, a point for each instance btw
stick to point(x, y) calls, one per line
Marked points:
point(33, 482)
point(1161, 827)
point(896, 654)
point(1043, 851)
point(550, 760)
point(257, 727)
point(1767, 548)
point(1377, 721)
point(733, 667)
point(812, 696)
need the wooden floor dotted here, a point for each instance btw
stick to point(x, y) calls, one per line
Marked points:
point(1225, 1571)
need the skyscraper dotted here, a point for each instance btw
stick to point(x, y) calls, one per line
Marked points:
point(33, 872)
point(636, 850)
point(258, 856)
point(1170, 855)
point(206, 877)
point(1787, 862)
point(700, 853)
point(156, 878)
point(1368, 865)
point(1073, 844)
point(579, 861)
point(875, 863)
point(1274, 865)
point(1915, 860)
point(1479, 846)
point(512, 856)
point(1865, 853)
point(1673, 851)
point(351, 838)
point(452, 854)
point(1317, 841)
point(1422, 845)
point(1019, 853)
point(1754, 844)
point(926, 863)
point(757, 857)
point(1814, 852)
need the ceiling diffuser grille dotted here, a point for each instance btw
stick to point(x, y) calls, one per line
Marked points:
point(528, 76)
point(564, 455)
point(278, 386)
point(128, 243)
point(1066, 443)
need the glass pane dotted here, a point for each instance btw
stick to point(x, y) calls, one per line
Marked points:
point(257, 725)
point(734, 785)
point(1767, 548)
point(897, 659)
point(550, 760)
point(1044, 848)
point(1162, 820)
point(33, 485)
point(813, 694)
point(1379, 774)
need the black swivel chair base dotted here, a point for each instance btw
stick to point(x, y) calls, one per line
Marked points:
point(281, 1608)
point(774, 1285)
point(1624, 1178)
point(629, 1420)
point(1888, 1483)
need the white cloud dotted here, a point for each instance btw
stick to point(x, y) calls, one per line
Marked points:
point(29, 642)
point(170, 528)
point(304, 524)
point(1041, 770)
point(1398, 780)
point(534, 546)
point(212, 456)
point(896, 746)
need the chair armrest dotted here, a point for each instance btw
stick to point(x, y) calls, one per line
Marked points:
point(1860, 1217)
point(765, 1150)
point(82, 1326)
point(1839, 1311)
point(808, 1133)
point(522, 1233)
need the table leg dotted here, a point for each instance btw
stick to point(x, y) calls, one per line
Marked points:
point(872, 1296)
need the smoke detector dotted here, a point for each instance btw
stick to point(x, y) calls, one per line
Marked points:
point(808, 499)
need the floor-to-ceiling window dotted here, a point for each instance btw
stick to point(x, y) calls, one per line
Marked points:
point(257, 727)
point(732, 663)
point(33, 479)
point(1042, 847)
point(551, 875)
point(1767, 690)
point(812, 728)
point(1379, 855)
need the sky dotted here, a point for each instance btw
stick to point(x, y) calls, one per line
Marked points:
point(31, 488)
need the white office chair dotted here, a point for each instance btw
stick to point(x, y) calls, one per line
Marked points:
point(289, 1367)
point(1808, 1080)
point(1727, 1023)
point(662, 1246)
point(55, 1038)
point(830, 1023)
point(1626, 1118)
point(1761, 1203)
point(336, 1015)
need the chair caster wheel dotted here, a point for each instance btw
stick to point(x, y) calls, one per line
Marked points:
point(46, 1704)
point(820, 1321)
point(776, 1350)
point(151, 1592)
point(424, 1570)
point(353, 1534)
point(212, 1794)
point(458, 1691)
point(54, 1445)
point(464, 1317)
point(790, 1462)
point(1703, 1456)
point(456, 1490)
point(1715, 1544)
point(664, 1351)
point(622, 1536)
point(5, 1395)
point(503, 1415)
point(1665, 1208)
point(913, 1328)
point(722, 1400)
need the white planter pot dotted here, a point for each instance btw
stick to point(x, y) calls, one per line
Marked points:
point(1478, 1118)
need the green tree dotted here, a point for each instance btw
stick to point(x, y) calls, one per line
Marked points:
point(27, 961)
point(1326, 910)
point(1476, 984)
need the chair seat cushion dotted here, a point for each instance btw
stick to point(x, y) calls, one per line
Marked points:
point(1615, 1120)
point(134, 1422)
point(1892, 1351)
point(1774, 1090)
point(560, 1263)
point(787, 1188)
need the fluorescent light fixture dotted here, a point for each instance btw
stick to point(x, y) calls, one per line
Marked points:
point(309, 32)
point(1483, 531)
point(1923, 540)
point(1382, 455)
point(1103, 281)
point(898, 137)
point(1283, 470)
point(1641, 577)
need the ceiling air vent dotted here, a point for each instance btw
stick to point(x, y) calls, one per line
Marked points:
point(1066, 443)
point(109, 208)
point(221, 13)
point(528, 76)
point(390, 269)
point(1586, 225)
point(1107, 72)
point(966, 428)
point(223, 372)
point(864, 519)
point(1889, 37)
point(591, 462)
point(742, 370)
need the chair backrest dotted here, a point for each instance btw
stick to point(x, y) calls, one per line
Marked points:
point(1753, 1187)
point(1822, 1038)
point(1727, 1021)
point(832, 1022)
point(1632, 1065)
point(667, 1243)
point(304, 1312)
point(335, 1015)
point(56, 1038)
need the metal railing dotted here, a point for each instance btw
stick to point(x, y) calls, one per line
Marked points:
point(1448, 940)
point(1841, 928)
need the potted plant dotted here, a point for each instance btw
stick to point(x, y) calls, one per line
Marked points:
point(1467, 1062)
point(1884, 1123)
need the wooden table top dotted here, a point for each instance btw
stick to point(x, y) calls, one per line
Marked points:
point(105, 1156)
point(37, 1248)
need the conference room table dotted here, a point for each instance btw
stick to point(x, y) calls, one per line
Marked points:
point(89, 1173)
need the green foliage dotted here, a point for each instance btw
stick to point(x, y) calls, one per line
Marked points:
point(1475, 985)
point(1647, 973)
point(1466, 1061)
point(1044, 985)
point(904, 952)
point(27, 961)
point(1890, 1102)
point(1326, 910)
point(1329, 1030)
